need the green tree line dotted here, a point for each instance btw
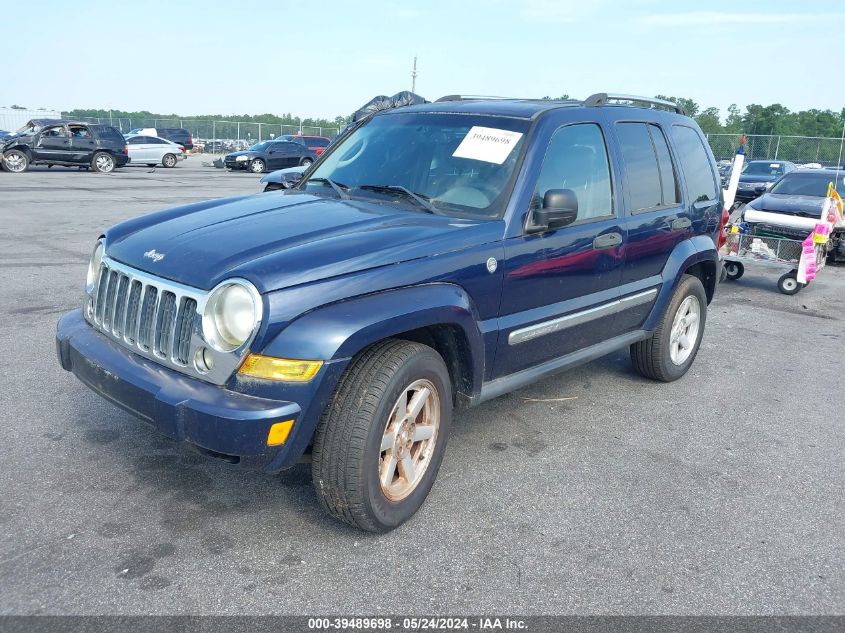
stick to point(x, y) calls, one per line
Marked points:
point(283, 119)
point(756, 119)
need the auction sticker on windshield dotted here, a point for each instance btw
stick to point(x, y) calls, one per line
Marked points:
point(487, 144)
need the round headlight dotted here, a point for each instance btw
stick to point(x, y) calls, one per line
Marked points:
point(94, 267)
point(231, 315)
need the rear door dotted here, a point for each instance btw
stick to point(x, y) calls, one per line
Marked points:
point(283, 154)
point(561, 286)
point(656, 219)
point(82, 143)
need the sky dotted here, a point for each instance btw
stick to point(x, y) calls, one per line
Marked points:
point(323, 59)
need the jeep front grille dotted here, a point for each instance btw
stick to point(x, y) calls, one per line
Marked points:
point(158, 319)
point(140, 313)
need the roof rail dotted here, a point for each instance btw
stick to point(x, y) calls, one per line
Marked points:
point(605, 98)
point(471, 97)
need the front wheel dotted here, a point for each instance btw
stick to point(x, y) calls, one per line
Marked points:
point(788, 284)
point(306, 162)
point(257, 166)
point(102, 162)
point(381, 438)
point(15, 161)
point(669, 352)
point(168, 160)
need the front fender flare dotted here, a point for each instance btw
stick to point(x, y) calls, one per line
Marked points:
point(340, 330)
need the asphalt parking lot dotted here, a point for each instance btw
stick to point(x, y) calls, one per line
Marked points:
point(593, 492)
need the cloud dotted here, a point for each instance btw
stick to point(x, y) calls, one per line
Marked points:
point(720, 18)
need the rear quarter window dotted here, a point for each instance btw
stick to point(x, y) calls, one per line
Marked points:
point(695, 163)
point(108, 133)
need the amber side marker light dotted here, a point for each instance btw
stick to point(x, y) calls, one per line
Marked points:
point(282, 369)
point(279, 433)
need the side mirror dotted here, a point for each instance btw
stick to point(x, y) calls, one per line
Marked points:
point(560, 207)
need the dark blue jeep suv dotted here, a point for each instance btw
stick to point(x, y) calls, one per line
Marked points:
point(435, 257)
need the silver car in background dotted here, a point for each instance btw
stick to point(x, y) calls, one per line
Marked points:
point(153, 150)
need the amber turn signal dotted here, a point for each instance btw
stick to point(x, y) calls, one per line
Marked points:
point(279, 433)
point(282, 369)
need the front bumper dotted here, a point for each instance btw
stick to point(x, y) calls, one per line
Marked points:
point(219, 422)
point(231, 164)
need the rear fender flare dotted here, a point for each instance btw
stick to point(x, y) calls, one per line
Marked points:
point(685, 255)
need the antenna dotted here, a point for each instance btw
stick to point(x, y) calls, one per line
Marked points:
point(414, 76)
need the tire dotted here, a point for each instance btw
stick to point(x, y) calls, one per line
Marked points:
point(168, 160)
point(102, 162)
point(734, 270)
point(15, 161)
point(348, 460)
point(788, 284)
point(257, 166)
point(306, 162)
point(655, 357)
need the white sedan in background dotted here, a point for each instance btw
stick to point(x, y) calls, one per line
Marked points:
point(152, 151)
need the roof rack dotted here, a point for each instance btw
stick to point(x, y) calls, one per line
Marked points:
point(605, 98)
point(472, 98)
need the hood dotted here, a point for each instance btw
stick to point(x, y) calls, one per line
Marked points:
point(277, 240)
point(806, 206)
point(757, 178)
point(243, 152)
point(289, 174)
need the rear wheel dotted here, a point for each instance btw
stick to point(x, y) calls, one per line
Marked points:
point(168, 160)
point(734, 270)
point(15, 161)
point(381, 438)
point(668, 353)
point(102, 162)
point(788, 284)
point(257, 166)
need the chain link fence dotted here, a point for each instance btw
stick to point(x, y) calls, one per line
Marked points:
point(798, 149)
point(217, 136)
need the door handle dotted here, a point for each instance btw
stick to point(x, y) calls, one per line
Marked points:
point(679, 224)
point(608, 240)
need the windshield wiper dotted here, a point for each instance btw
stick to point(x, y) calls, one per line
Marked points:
point(338, 187)
point(420, 200)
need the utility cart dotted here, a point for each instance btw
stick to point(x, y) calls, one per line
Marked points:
point(778, 253)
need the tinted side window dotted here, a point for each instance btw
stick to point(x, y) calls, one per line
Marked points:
point(668, 181)
point(642, 174)
point(319, 142)
point(156, 141)
point(136, 140)
point(698, 170)
point(576, 159)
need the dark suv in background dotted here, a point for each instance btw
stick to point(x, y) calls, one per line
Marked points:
point(270, 155)
point(64, 142)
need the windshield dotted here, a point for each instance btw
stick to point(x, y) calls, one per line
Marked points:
point(260, 147)
point(458, 164)
point(763, 169)
point(29, 128)
point(807, 185)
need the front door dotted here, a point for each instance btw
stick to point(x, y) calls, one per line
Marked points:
point(53, 144)
point(282, 154)
point(561, 286)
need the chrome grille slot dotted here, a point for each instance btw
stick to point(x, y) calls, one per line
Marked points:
point(165, 322)
point(184, 328)
point(111, 290)
point(131, 330)
point(100, 294)
point(120, 305)
point(148, 309)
